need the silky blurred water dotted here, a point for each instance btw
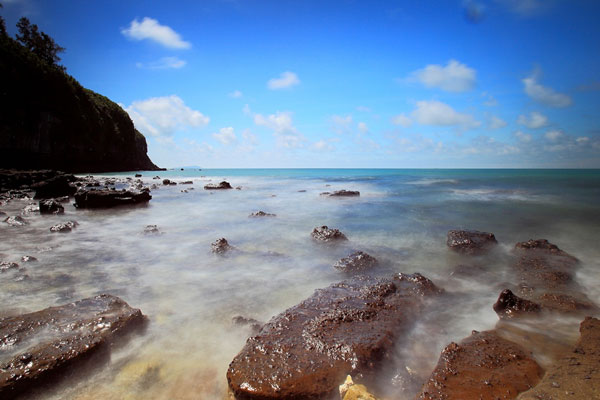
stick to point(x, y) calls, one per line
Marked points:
point(190, 294)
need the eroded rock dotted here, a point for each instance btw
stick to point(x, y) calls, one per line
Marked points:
point(261, 214)
point(470, 242)
point(16, 220)
point(253, 324)
point(220, 246)
point(326, 234)
point(483, 366)
point(152, 230)
point(78, 329)
point(110, 198)
point(358, 261)
point(64, 227)
point(51, 206)
point(510, 305)
point(221, 185)
point(347, 328)
point(57, 186)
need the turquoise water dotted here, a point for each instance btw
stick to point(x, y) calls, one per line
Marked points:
point(190, 294)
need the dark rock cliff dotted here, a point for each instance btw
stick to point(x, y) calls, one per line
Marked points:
point(49, 121)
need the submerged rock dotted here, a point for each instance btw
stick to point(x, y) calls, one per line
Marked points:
point(30, 209)
point(16, 220)
point(261, 214)
point(152, 230)
point(51, 206)
point(7, 265)
point(326, 234)
point(253, 324)
point(509, 305)
point(358, 261)
point(28, 259)
point(344, 193)
point(56, 186)
point(576, 374)
point(483, 366)
point(187, 183)
point(221, 185)
point(470, 242)
point(110, 198)
point(347, 328)
point(64, 227)
point(79, 330)
point(220, 246)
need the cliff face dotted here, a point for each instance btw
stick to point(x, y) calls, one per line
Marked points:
point(49, 121)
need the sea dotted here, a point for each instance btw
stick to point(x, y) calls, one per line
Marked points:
point(190, 294)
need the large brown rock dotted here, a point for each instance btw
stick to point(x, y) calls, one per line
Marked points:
point(470, 242)
point(510, 305)
point(346, 328)
point(481, 367)
point(577, 374)
point(45, 344)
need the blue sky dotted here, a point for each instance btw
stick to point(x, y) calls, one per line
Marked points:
point(396, 84)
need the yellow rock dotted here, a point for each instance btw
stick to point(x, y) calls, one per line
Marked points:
point(358, 392)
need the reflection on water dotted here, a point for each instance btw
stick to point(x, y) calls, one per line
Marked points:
point(191, 295)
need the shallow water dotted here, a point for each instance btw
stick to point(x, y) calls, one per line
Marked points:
point(190, 294)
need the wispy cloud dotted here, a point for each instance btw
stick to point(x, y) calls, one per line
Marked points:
point(554, 135)
point(283, 128)
point(163, 63)
point(226, 135)
point(523, 137)
point(401, 120)
point(341, 124)
point(534, 121)
point(454, 77)
point(286, 80)
point(152, 30)
point(543, 94)
point(526, 8)
point(496, 122)
point(362, 128)
point(236, 94)
point(437, 113)
point(162, 116)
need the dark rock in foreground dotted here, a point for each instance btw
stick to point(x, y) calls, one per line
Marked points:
point(58, 186)
point(358, 261)
point(110, 198)
point(49, 342)
point(51, 206)
point(16, 221)
point(346, 328)
point(326, 234)
point(222, 185)
point(470, 242)
point(509, 305)
point(261, 214)
point(64, 227)
point(577, 374)
point(220, 246)
point(483, 366)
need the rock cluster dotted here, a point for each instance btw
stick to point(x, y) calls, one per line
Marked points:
point(470, 242)
point(221, 185)
point(326, 234)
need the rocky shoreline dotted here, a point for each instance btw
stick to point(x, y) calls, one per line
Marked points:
point(348, 328)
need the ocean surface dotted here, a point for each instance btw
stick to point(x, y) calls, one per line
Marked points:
point(190, 294)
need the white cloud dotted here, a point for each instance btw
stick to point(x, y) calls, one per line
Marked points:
point(523, 137)
point(401, 120)
point(250, 137)
point(582, 140)
point(362, 127)
point(534, 121)
point(225, 135)
point(323, 145)
point(341, 124)
point(496, 123)
point(454, 77)
point(363, 109)
point(162, 116)
point(164, 63)
point(437, 113)
point(150, 29)
point(543, 94)
point(236, 94)
point(286, 80)
point(525, 7)
point(554, 135)
point(490, 100)
point(281, 124)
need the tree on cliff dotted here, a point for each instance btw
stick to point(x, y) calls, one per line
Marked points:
point(2, 24)
point(39, 43)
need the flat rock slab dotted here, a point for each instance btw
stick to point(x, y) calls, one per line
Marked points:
point(39, 346)
point(483, 366)
point(346, 328)
point(110, 198)
point(470, 242)
point(577, 374)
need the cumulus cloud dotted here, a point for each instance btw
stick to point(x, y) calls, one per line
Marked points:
point(164, 63)
point(282, 126)
point(162, 116)
point(543, 94)
point(225, 135)
point(554, 135)
point(437, 113)
point(454, 77)
point(286, 80)
point(236, 94)
point(496, 123)
point(401, 120)
point(523, 137)
point(534, 121)
point(151, 29)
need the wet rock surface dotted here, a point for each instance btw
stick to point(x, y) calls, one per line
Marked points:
point(57, 186)
point(220, 246)
point(358, 261)
point(483, 366)
point(253, 324)
point(64, 227)
point(510, 305)
point(221, 185)
point(342, 193)
point(51, 206)
point(78, 330)
point(110, 198)
point(326, 234)
point(152, 230)
point(470, 242)
point(16, 220)
point(576, 375)
point(261, 214)
point(347, 328)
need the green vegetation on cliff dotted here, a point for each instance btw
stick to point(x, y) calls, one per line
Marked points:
point(49, 121)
